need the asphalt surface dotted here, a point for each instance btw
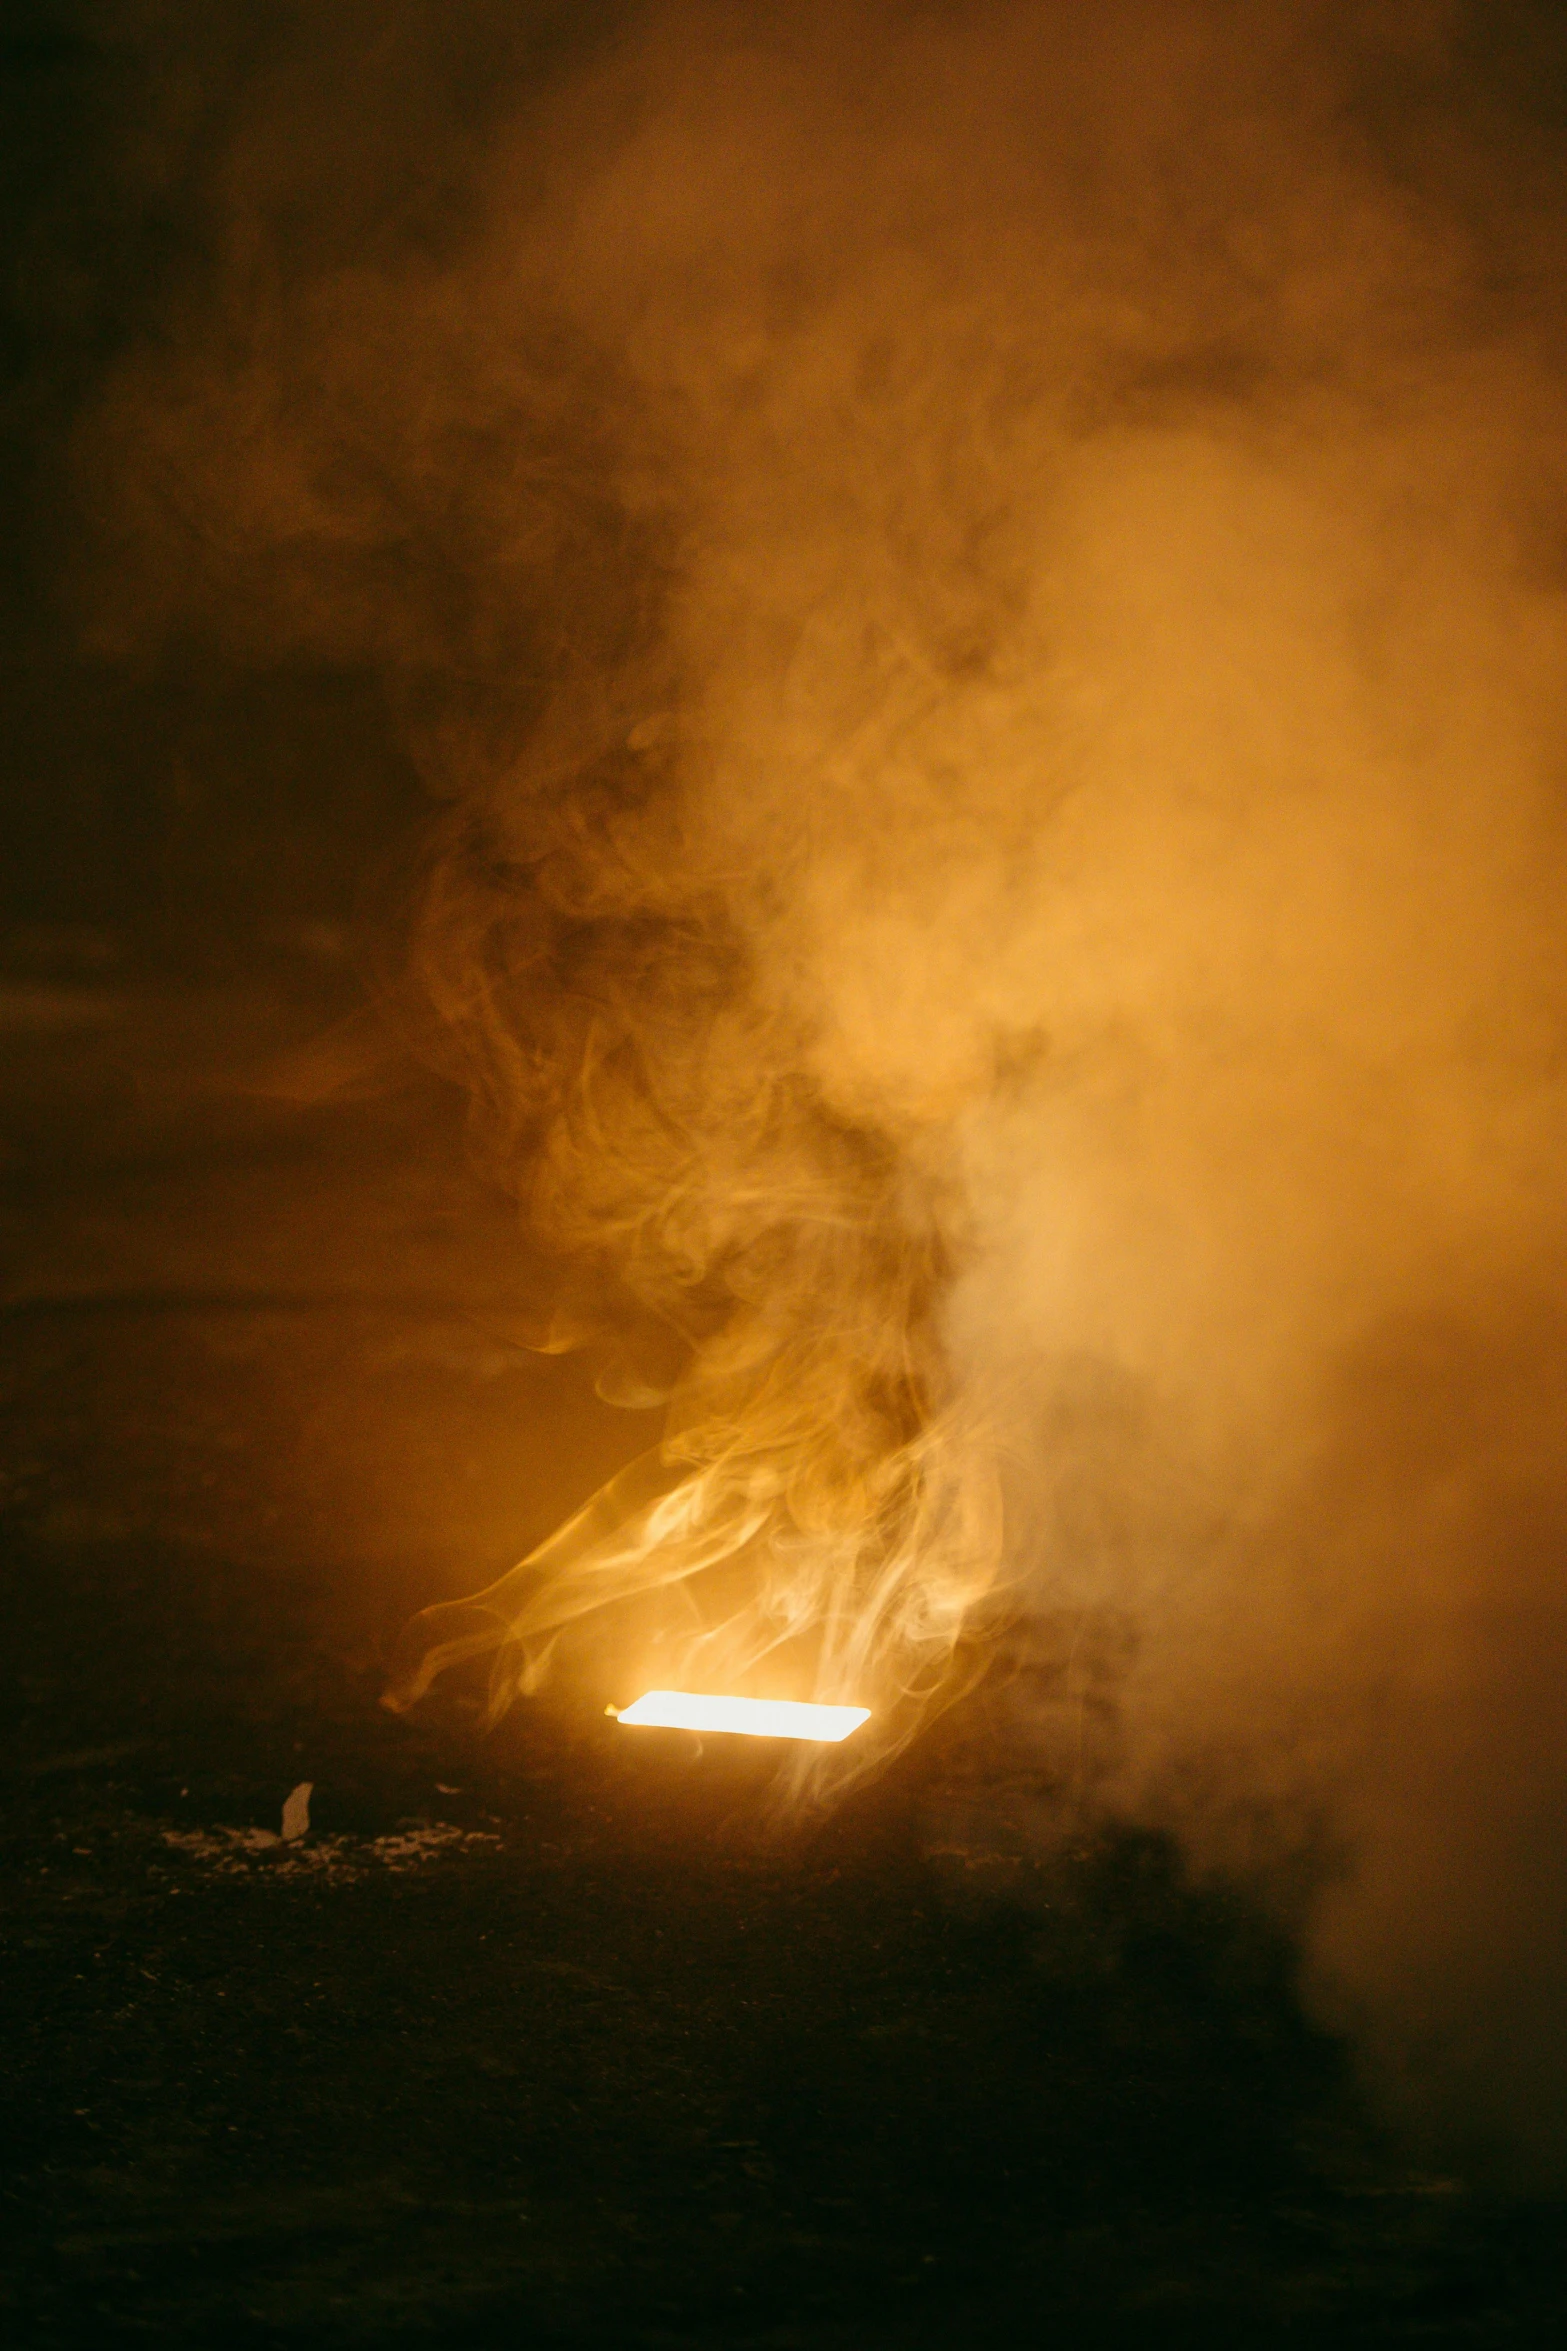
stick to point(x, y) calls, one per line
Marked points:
point(536, 2038)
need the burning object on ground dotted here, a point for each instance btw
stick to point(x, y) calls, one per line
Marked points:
point(756, 1718)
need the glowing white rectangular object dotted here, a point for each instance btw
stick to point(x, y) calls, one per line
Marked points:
point(757, 1718)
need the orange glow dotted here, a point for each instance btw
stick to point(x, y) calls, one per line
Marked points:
point(758, 1718)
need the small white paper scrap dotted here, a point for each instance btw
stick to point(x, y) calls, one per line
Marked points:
point(296, 1812)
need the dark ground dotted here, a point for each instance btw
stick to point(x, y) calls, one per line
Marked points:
point(531, 2041)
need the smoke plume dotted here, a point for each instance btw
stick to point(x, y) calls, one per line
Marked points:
point(983, 588)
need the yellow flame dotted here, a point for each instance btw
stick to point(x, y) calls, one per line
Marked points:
point(758, 1718)
point(823, 1513)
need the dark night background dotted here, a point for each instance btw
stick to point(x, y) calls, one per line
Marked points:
point(580, 2057)
point(189, 813)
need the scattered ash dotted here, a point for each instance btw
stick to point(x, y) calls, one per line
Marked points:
point(258, 1852)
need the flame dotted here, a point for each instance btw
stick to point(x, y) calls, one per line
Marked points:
point(757, 1718)
point(870, 1594)
point(823, 1514)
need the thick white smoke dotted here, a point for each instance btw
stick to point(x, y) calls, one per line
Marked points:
point(984, 582)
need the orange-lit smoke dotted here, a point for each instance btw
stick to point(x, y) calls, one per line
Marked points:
point(985, 586)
